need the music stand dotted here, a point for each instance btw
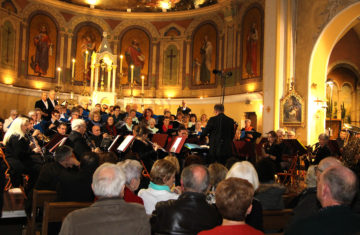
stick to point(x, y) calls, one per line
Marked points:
point(160, 139)
point(58, 144)
point(115, 143)
point(177, 144)
point(334, 147)
point(294, 147)
point(126, 143)
point(55, 140)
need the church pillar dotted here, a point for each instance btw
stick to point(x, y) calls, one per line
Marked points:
point(62, 42)
point(97, 66)
point(68, 59)
point(109, 68)
point(274, 62)
point(114, 77)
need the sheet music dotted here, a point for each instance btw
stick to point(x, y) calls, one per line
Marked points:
point(112, 144)
point(62, 142)
point(176, 144)
point(125, 143)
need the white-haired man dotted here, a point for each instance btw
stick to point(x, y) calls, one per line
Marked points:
point(76, 138)
point(110, 214)
point(336, 188)
point(8, 121)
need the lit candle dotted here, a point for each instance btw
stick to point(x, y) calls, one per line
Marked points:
point(121, 60)
point(73, 68)
point(86, 59)
point(71, 95)
point(59, 75)
point(142, 84)
point(132, 74)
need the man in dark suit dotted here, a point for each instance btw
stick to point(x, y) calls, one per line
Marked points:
point(51, 101)
point(44, 106)
point(184, 109)
point(76, 138)
point(220, 129)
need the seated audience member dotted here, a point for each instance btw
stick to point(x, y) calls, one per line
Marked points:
point(126, 129)
point(76, 186)
point(269, 192)
point(162, 176)
point(110, 157)
point(132, 170)
point(109, 214)
point(50, 172)
point(233, 200)
point(151, 126)
point(8, 121)
point(217, 173)
point(245, 170)
point(175, 161)
point(193, 159)
point(336, 188)
point(190, 213)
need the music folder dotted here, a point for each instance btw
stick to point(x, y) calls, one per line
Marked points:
point(58, 144)
point(177, 144)
point(55, 140)
point(126, 143)
point(160, 139)
point(114, 144)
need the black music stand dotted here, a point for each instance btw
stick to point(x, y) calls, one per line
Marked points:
point(293, 147)
point(334, 147)
point(115, 144)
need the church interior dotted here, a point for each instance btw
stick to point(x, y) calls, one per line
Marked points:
point(291, 65)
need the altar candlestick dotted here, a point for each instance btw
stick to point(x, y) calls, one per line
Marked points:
point(121, 60)
point(73, 68)
point(59, 75)
point(86, 59)
point(142, 84)
point(132, 74)
point(71, 95)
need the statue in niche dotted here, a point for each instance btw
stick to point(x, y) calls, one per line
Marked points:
point(134, 56)
point(43, 49)
point(251, 51)
point(205, 67)
point(8, 45)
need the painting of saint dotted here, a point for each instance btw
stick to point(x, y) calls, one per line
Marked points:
point(204, 55)
point(42, 46)
point(88, 39)
point(135, 46)
point(135, 57)
point(252, 43)
point(8, 45)
point(292, 110)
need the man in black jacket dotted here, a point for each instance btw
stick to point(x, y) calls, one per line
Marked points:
point(190, 213)
point(220, 129)
point(44, 106)
point(76, 138)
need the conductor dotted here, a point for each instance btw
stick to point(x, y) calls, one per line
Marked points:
point(220, 129)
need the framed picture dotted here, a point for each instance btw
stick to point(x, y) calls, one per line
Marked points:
point(292, 110)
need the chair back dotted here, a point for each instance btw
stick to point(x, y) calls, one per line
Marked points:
point(276, 220)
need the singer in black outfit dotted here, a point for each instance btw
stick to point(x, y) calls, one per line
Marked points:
point(220, 129)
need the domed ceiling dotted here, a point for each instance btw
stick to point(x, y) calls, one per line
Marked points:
point(143, 5)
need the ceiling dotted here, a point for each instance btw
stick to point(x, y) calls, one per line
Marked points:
point(143, 5)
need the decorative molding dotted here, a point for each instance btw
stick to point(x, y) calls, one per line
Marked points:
point(172, 25)
point(154, 33)
point(88, 18)
point(34, 7)
point(199, 20)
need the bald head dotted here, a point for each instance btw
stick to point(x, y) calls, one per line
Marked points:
point(108, 181)
point(195, 178)
point(338, 186)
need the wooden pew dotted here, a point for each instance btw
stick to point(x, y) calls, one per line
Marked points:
point(276, 220)
point(39, 197)
point(57, 211)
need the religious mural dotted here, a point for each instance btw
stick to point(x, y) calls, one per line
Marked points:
point(252, 44)
point(292, 110)
point(42, 47)
point(171, 66)
point(88, 39)
point(204, 55)
point(9, 6)
point(8, 45)
point(135, 46)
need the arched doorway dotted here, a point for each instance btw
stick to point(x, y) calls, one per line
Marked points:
point(318, 67)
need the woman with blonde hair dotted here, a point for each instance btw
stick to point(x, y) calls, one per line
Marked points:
point(162, 176)
point(19, 152)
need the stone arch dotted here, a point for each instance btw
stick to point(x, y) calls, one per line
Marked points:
point(214, 19)
point(74, 23)
point(348, 65)
point(54, 14)
point(13, 4)
point(125, 25)
point(319, 60)
point(177, 27)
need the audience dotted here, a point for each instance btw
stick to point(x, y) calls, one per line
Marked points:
point(336, 188)
point(245, 170)
point(217, 173)
point(233, 199)
point(109, 214)
point(132, 170)
point(162, 176)
point(190, 213)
